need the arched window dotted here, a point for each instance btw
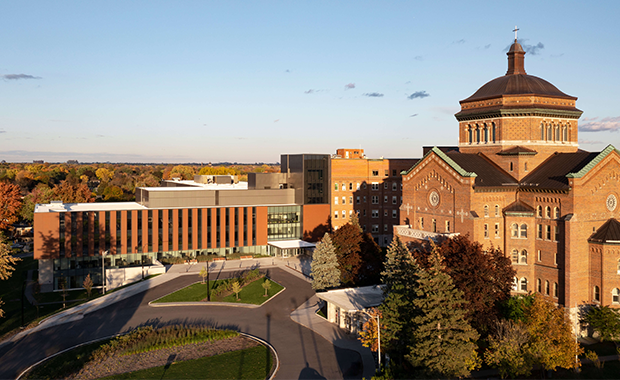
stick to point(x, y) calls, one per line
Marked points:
point(523, 231)
point(470, 133)
point(486, 133)
point(486, 211)
point(477, 134)
point(523, 257)
point(619, 266)
point(597, 294)
point(525, 166)
point(511, 166)
point(557, 133)
point(335, 187)
point(615, 295)
point(555, 290)
point(539, 211)
point(547, 287)
point(515, 256)
point(539, 285)
point(494, 136)
point(523, 283)
point(542, 131)
point(548, 212)
point(549, 134)
point(496, 211)
point(556, 213)
point(515, 284)
point(434, 226)
point(565, 134)
point(515, 230)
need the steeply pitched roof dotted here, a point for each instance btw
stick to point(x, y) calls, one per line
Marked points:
point(554, 172)
point(519, 207)
point(609, 232)
point(487, 174)
point(517, 150)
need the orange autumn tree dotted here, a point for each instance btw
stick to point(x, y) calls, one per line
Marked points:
point(368, 334)
point(10, 204)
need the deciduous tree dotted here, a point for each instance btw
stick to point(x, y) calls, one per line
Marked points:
point(509, 350)
point(70, 191)
point(368, 335)
point(10, 204)
point(266, 285)
point(6, 264)
point(551, 336)
point(236, 288)
point(605, 321)
point(484, 277)
point(347, 240)
point(324, 266)
point(203, 273)
point(87, 284)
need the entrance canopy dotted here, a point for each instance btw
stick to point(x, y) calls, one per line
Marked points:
point(291, 244)
point(286, 248)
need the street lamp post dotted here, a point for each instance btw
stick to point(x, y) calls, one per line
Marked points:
point(103, 270)
point(378, 335)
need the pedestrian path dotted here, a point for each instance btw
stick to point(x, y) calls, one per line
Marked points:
point(306, 316)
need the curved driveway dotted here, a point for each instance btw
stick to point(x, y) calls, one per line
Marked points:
point(303, 353)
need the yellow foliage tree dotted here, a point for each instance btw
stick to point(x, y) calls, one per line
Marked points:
point(551, 335)
point(368, 335)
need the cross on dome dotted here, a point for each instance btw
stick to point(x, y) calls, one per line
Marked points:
point(515, 30)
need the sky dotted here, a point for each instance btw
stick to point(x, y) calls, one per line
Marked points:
point(245, 81)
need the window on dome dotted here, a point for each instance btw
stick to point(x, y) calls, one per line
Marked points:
point(542, 132)
point(477, 134)
point(470, 135)
point(486, 134)
point(565, 134)
point(494, 136)
point(557, 133)
point(549, 135)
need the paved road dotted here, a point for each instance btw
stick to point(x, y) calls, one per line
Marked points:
point(303, 353)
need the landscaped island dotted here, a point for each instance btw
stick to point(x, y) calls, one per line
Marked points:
point(251, 287)
point(169, 352)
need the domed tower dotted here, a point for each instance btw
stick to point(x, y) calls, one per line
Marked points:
point(518, 120)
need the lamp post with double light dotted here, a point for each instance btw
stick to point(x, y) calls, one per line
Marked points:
point(103, 270)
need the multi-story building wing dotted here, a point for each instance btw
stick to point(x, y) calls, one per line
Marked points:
point(184, 219)
point(371, 188)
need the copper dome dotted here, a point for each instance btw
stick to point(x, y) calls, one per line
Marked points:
point(516, 81)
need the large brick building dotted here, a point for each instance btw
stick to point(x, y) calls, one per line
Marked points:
point(519, 181)
point(371, 188)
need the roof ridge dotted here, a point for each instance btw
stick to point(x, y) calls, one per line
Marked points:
point(447, 160)
point(599, 157)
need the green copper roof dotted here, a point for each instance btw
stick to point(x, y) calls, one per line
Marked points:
point(604, 153)
point(448, 161)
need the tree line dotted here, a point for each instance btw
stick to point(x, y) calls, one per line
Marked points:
point(22, 186)
point(448, 308)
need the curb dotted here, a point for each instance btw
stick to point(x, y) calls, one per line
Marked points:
point(261, 341)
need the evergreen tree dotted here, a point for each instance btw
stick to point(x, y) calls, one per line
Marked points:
point(325, 272)
point(396, 310)
point(347, 240)
point(443, 341)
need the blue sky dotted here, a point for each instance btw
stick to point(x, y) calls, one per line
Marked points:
point(210, 81)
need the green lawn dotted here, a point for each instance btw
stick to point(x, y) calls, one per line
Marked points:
point(610, 370)
point(252, 293)
point(251, 363)
point(192, 293)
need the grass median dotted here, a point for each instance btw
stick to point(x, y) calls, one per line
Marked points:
point(252, 293)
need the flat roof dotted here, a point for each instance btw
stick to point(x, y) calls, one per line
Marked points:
point(102, 206)
point(120, 206)
point(193, 186)
point(290, 244)
point(354, 299)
